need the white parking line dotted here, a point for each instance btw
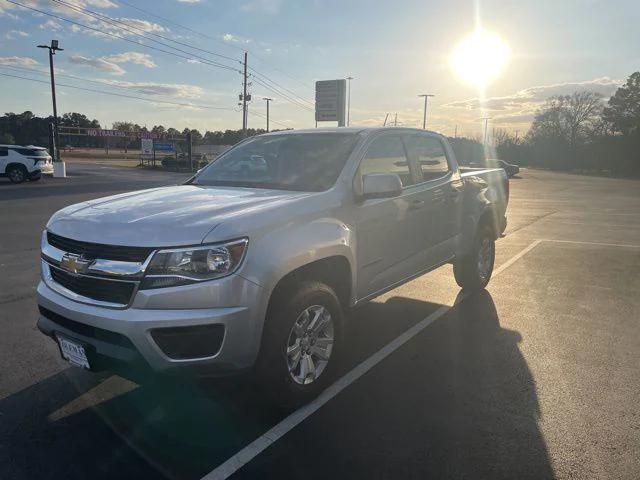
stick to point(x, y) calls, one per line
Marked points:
point(598, 244)
point(248, 453)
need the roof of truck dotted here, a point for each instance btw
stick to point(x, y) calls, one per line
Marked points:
point(354, 130)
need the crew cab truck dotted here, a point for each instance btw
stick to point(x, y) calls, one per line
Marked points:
point(20, 163)
point(256, 268)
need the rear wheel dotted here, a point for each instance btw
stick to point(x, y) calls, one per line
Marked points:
point(300, 343)
point(17, 173)
point(473, 271)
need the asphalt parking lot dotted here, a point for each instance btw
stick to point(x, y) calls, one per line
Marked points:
point(537, 377)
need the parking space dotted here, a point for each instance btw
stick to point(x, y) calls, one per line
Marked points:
point(534, 378)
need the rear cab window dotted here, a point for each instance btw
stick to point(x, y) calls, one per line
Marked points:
point(4, 151)
point(386, 154)
point(429, 155)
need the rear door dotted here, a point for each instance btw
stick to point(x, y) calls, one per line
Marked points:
point(440, 188)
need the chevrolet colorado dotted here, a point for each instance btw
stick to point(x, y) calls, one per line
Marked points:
point(253, 262)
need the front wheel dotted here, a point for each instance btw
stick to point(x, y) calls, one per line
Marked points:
point(473, 271)
point(300, 343)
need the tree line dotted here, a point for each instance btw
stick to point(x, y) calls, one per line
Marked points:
point(580, 132)
point(28, 129)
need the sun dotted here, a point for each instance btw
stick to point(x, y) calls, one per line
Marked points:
point(480, 57)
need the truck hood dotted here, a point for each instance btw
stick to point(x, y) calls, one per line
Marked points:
point(161, 217)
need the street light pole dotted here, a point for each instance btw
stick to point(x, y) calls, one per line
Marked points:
point(349, 100)
point(486, 120)
point(267, 100)
point(426, 99)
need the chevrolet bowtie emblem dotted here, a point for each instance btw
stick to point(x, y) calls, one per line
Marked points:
point(75, 263)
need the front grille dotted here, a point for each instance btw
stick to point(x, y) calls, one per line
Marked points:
point(88, 331)
point(98, 250)
point(94, 288)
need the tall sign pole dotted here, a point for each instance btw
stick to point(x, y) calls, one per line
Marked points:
point(349, 100)
point(267, 100)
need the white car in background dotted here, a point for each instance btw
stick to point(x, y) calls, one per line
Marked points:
point(21, 163)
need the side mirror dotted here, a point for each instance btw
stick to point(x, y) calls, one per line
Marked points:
point(381, 185)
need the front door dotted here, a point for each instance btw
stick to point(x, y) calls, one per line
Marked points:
point(387, 241)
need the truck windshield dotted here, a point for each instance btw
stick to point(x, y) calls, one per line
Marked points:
point(304, 162)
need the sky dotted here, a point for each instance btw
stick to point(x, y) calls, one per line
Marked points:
point(394, 50)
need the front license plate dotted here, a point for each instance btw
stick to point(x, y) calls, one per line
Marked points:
point(73, 352)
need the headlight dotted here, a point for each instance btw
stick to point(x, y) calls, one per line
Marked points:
point(182, 266)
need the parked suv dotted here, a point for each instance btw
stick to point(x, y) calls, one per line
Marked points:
point(21, 163)
point(257, 269)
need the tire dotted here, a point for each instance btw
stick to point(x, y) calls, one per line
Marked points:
point(473, 271)
point(17, 173)
point(291, 383)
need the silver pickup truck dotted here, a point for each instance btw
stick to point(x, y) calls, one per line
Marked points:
point(254, 262)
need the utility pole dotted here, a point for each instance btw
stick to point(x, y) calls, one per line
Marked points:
point(53, 48)
point(244, 98)
point(516, 141)
point(267, 100)
point(486, 119)
point(385, 120)
point(349, 100)
point(395, 121)
point(455, 135)
point(426, 99)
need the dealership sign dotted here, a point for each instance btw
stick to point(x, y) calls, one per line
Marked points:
point(331, 101)
point(100, 132)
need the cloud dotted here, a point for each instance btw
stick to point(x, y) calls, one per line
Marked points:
point(110, 63)
point(139, 24)
point(519, 108)
point(50, 25)
point(230, 38)
point(532, 97)
point(98, 63)
point(20, 61)
point(132, 57)
point(168, 89)
point(13, 34)
point(189, 1)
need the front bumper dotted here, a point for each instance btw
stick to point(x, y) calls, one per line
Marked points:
point(126, 336)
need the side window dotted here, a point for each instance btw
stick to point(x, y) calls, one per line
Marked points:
point(4, 152)
point(386, 155)
point(429, 155)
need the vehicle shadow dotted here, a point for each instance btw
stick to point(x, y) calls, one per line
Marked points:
point(457, 401)
point(470, 394)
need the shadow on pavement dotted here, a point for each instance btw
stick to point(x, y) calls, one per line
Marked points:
point(456, 401)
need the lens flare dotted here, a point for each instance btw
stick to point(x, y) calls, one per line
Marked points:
point(480, 58)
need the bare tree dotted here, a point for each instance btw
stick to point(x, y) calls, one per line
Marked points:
point(567, 117)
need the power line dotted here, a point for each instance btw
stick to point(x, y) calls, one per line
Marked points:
point(270, 120)
point(298, 100)
point(127, 27)
point(267, 79)
point(204, 35)
point(102, 83)
point(102, 32)
point(208, 107)
point(282, 94)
